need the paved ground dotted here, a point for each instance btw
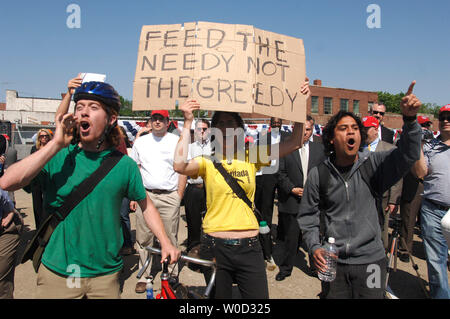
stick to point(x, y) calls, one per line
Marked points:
point(301, 285)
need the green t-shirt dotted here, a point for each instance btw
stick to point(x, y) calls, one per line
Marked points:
point(91, 236)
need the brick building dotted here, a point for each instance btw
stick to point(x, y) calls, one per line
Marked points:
point(327, 101)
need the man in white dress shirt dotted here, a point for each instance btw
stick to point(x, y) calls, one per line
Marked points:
point(154, 155)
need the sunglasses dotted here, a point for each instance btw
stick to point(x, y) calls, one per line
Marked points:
point(47, 136)
point(157, 118)
point(444, 117)
point(378, 112)
point(202, 129)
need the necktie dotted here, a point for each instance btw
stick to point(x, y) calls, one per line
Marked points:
point(304, 160)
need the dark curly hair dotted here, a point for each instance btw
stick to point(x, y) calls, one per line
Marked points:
point(328, 131)
point(236, 116)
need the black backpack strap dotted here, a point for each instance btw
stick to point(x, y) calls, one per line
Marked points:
point(88, 185)
point(36, 246)
point(235, 187)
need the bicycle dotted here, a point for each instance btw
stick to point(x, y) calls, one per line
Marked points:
point(176, 290)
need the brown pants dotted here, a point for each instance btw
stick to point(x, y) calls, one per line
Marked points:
point(51, 285)
point(9, 241)
point(168, 206)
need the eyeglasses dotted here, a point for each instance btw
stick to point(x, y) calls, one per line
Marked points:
point(202, 129)
point(378, 112)
point(443, 117)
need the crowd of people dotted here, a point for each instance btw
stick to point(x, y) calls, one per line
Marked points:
point(344, 184)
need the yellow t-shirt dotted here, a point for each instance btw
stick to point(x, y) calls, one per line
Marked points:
point(226, 211)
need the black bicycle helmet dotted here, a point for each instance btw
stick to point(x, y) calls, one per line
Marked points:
point(98, 91)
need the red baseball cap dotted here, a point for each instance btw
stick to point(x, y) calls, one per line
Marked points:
point(163, 113)
point(423, 119)
point(445, 108)
point(370, 121)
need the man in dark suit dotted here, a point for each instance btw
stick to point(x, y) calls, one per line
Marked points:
point(267, 178)
point(385, 134)
point(294, 169)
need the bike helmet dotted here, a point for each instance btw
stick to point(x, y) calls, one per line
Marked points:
point(98, 91)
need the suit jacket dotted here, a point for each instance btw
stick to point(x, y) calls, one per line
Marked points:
point(393, 195)
point(387, 135)
point(291, 176)
point(262, 140)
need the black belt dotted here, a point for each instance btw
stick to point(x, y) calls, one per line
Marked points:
point(441, 207)
point(158, 191)
point(232, 241)
point(196, 185)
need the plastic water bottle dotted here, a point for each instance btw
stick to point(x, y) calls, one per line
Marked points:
point(330, 273)
point(149, 288)
point(263, 228)
point(264, 232)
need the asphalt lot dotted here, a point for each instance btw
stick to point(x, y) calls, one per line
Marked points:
point(302, 284)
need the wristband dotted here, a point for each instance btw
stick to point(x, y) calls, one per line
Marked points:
point(409, 118)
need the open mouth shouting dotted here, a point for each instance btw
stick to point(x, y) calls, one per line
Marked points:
point(85, 127)
point(351, 143)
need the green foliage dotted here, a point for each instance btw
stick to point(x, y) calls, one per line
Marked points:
point(392, 102)
point(125, 110)
point(430, 108)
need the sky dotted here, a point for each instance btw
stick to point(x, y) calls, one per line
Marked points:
point(39, 53)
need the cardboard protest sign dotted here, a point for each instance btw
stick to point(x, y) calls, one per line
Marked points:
point(226, 67)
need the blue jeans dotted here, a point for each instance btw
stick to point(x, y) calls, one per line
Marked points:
point(436, 249)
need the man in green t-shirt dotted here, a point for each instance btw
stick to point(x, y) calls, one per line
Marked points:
point(82, 256)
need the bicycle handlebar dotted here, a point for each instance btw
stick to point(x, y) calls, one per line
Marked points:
point(198, 261)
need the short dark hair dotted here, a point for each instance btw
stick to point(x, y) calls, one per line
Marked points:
point(236, 116)
point(203, 121)
point(328, 131)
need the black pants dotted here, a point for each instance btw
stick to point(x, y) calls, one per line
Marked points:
point(357, 281)
point(290, 243)
point(195, 206)
point(265, 195)
point(242, 264)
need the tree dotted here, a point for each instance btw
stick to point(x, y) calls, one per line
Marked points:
point(430, 108)
point(126, 110)
point(392, 103)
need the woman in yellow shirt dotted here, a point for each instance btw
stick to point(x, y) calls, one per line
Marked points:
point(230, 227)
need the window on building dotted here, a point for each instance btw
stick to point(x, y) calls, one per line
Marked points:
point(370, 106)
point(327, 105)
point(356, 106)
point(344, 105)
point(315, 104)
